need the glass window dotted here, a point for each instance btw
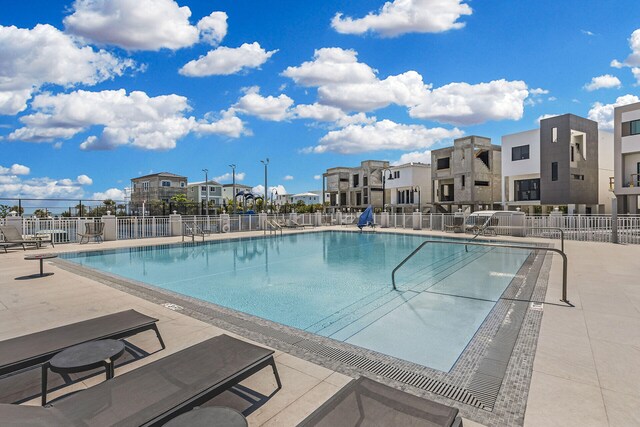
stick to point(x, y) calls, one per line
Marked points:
point(145, 185)
point(520, 153)
point(203, 188)
point(635, 127)
point(182, 184)
point(443, 163)
point(462, 178)
point(554, 135)
point(527, 189)
point(554, 171)
point(166, 183)
point(212, 188)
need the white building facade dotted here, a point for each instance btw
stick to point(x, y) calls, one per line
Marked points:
point(197, 192)
point(627, 158)
point(408, 187)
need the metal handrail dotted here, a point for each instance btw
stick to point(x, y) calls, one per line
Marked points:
point(492, 245)
point(273, 227)
point(525, 228)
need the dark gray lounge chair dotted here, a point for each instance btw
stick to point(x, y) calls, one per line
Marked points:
point(13, 237)
point(364, 402)
point(33, 349)
point(154, 393)
point(93, 230)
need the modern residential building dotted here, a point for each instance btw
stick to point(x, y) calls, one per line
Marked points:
point(467, 175)
point(197, 192)
point(157, 187)
point(307, 198)
point(227, 191)
point(354, 188)
point(566, 162)
point(626, 130)
point(408, 187)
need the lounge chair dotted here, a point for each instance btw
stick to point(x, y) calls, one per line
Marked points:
point(92, 229)
point(33, 349)
point(13, 237)
point(457, 226)
point(154, 393)
point(366, 402)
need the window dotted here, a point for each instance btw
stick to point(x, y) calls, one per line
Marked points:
point(573, 153)
point(631, 128)
point(212, 189)
point(165, 183)
point(145, 186)
point(554, 135)
point(520, 153)
point(356, 181)
point(578, 177)
point(554, 171)
point(462, 179)
point(182, 184)
point(483, 155)
point(443, 163)
point(527, 189)
point(396, 174)
point(482, 183)
point(203, 188)
point(365, 181)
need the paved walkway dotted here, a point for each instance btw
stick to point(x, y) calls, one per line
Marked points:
point(586, 371)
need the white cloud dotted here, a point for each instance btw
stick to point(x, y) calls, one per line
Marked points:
point(288, 178)
point(466, 104)
point(84, 180)
point(15, 186)
point(382, 135)
point(605, 81)
point(414, 157)
point(544, 116)
point(267, 108)
point(317, 177)
point(226, 123)
point(31, 58)
point(226, 60)
point(633, 60)
point(213, 28)
point(136, 119)
point(112, 193)
point(603, 113)
point(228, 177)
point(134, 24)
point(587, 33)
point(259, 190)
point(406, 16)
point(15, 169)
point(327, 113)
point(349, 85)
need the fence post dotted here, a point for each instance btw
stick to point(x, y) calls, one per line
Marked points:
point(110, 227)
point(318, 219)
point(417, 220)
point(614, 219)
point(175, 224)
point(262, 221)
point(384, 220)
point(225, 223)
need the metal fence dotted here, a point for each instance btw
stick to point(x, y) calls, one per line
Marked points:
point(596, 228)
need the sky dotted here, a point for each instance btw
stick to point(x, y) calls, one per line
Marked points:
point(96, 92)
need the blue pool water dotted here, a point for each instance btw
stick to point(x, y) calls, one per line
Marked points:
point(337, 284)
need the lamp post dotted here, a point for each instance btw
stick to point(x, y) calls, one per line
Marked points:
point(417, 188)
point(233, 189)
point(384, 192)
point(266, 164)
point(206, 183)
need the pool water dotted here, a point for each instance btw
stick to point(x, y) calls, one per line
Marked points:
point(337, 284)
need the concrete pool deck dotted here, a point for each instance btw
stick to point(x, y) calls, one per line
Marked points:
point(586, 369)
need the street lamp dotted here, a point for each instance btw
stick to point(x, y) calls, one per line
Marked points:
point(417, 188)
point(265, 163)
point(384, 181)
point(206, 183)
point(233, 188)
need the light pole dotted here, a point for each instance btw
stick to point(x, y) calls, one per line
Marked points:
point(265, 163)
point(417, 188)
point(206, 183)
point(233, 189)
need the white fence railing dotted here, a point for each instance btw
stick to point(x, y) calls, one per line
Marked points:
point(596, 228)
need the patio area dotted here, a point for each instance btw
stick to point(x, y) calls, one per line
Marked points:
point(586, 370)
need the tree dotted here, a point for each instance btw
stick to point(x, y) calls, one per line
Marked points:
point(19, 210)
point(4, 210)
point(40, 213)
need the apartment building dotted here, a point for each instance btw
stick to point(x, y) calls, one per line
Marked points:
point(626, 133)
point(227, 191)
point(567, 161)
point(467, 175)
point(354, 188)
point(157, 187)
point(408, 187)
point(197, 192)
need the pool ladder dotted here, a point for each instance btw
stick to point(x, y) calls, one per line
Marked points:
point(491, 245)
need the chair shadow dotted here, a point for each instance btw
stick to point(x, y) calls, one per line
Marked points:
point(33, 276)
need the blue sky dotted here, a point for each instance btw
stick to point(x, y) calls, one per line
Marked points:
point(95, 92)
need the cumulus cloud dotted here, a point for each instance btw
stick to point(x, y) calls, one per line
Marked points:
point(226, 60)
point(288, 178)
point(605, 81)
point(135, 24)
point(382, 135)
point(84, 180)
point(259, 189)
point(603, 113)
point(466, 104)
point(150, 123)
point(414, 157)
point(267, 108)
point(327, 113)
point(406, 16)
point(15, 169)
point(349, 85)
point(213, 28)
point(633, 60)
point(228, 177)
point(39, 188)
point(111, 194)
point(226, 123)
point(317, 177)
point(45, 55)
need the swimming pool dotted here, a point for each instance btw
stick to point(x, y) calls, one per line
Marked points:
point(336, 284)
